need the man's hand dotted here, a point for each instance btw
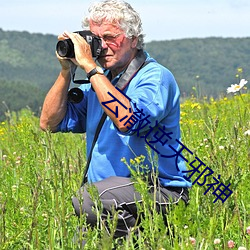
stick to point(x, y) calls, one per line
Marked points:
point(83, 54)
point(66, 63)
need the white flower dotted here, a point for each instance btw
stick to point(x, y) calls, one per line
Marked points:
point(192, 240)
point(22, 210)
point(242, 248)
point(217, 241)
point(237, 87)
point(221, 147)
point(247, 132)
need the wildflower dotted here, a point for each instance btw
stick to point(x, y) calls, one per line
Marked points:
point(205, 158)
point(22, 210)
point(195, 105)
point(183, 113)
point(132, 162)
point(185, 227)
point(237, 87)
point(230, 244)
point(123, 160)
point(192, 240)
point(248, 230)
point(14, 188)
point(216, 241)
point(240, 70)
point(137, 159)
point(247, 133)
point(242, 248)
point(221, 147)
point(45, 216)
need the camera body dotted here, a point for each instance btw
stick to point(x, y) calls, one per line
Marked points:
point(65, 48)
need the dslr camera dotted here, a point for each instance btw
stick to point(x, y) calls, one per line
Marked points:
point(65, 48)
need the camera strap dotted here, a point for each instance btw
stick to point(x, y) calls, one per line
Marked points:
point(136, 64)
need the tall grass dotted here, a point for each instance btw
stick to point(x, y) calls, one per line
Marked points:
point(40, 172)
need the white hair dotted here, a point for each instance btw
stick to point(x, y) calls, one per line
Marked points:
point(120, 13)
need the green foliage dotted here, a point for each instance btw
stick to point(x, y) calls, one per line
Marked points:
point(26, 57)
point(14, 95)
point(40, 172)
point(210, 61)
point(201, 66)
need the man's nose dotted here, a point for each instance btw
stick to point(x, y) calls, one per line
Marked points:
point(104, 44)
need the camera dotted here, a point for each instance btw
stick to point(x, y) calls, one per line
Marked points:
point(65, 48)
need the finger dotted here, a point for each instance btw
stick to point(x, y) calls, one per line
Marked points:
point(70, 35)
point(66, 33)
point(75, 37)
point(69, 60)
point(62, 36)
point(59, 57)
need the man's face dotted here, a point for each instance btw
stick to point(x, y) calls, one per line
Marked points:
point(118, 50)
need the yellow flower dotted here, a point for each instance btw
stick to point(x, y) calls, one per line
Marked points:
point(240, 70)
point(183, 113)
point(138, 160)
point(132, 162)
point(195, 105)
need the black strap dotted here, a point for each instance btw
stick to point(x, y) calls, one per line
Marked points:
point(97, 132)
point(136, 64)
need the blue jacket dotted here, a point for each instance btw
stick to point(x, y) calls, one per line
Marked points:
point(155, 93)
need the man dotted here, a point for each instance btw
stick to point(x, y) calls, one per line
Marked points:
point(141, 100)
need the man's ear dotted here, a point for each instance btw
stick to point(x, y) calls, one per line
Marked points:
point(134, 42)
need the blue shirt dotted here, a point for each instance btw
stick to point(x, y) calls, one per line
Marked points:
point(154, 91)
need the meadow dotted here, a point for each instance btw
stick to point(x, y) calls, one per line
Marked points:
point(40, 172)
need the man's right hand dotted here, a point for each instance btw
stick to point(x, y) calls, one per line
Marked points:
point(66, 63)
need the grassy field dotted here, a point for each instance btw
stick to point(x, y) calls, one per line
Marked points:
point(40, 172)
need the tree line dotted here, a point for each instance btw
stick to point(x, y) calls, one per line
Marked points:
point(202, 67)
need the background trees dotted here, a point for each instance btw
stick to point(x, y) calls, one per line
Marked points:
point(203, 67)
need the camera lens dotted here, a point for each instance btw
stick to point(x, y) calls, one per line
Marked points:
point(75, 95)
point(65, 48)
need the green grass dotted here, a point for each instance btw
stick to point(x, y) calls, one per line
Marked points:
point(40, 172)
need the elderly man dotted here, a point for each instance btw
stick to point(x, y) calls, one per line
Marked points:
point(140, 100)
